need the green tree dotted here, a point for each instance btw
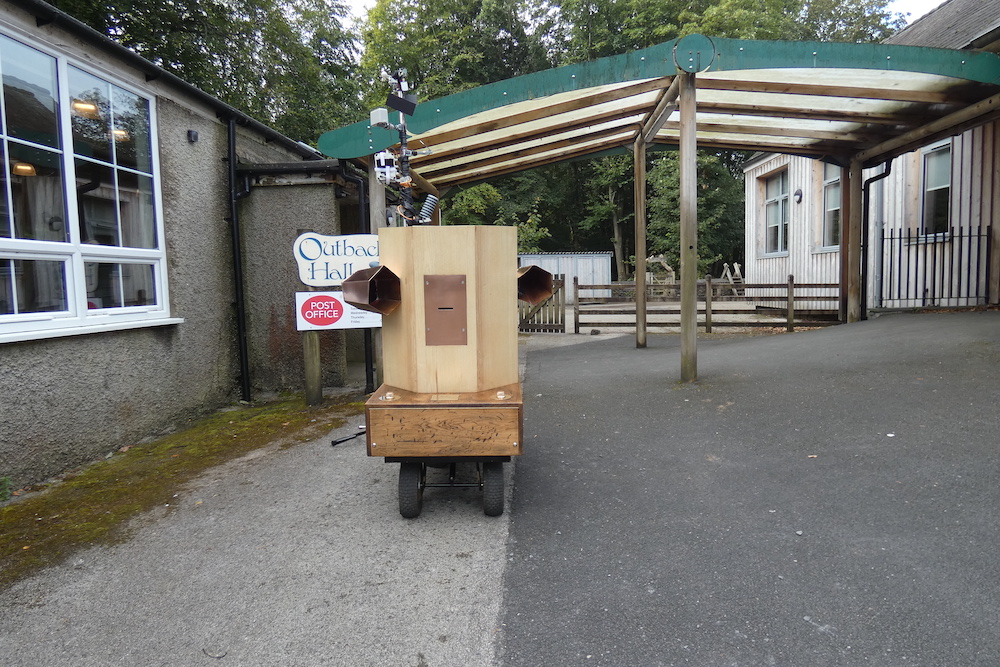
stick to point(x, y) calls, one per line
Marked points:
point(447, 45)
point(720, 211)
point(289, 63)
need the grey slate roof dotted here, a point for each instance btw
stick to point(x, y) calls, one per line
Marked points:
point(956, 24)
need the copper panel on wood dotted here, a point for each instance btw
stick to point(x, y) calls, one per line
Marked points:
point(446, 310)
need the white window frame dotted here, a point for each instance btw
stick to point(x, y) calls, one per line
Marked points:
point(929, 151)
point(782, 203)
point(829, 182)
point(77, 318)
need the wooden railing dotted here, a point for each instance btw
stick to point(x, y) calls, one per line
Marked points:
point(757, 304)
point(549, 316)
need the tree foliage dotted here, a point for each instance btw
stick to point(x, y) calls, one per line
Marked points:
point(289, 63)
point(720, 211)
point(448, 45)
point(299, 65)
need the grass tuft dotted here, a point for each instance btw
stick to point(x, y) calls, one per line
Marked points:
point(93, 505)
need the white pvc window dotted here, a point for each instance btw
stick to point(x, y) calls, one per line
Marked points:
point(936, 189)
point(776, 212)
point(81, 239)
point(831, 206)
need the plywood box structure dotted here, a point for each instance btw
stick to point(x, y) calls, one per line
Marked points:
point(455, 330)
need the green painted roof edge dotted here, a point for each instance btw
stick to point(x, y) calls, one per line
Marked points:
point(360, 139)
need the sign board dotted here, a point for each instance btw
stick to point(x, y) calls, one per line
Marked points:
point(328, 310)
point(325, 261)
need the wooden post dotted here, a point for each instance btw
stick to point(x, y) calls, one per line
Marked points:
point(639, 167)
point(790, 314)
point(311, 363)
point(708, 303)
point(376, 220)
point(854, 220)
point(689, 228)
point(576, 304)
point(313, 367)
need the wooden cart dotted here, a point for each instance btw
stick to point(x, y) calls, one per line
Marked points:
point(451, 391)
point(421, 430)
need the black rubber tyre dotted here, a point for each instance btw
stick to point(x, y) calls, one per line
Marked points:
point(411, 489)
point(493, 488)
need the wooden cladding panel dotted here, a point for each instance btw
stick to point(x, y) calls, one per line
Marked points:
point(406, 424)
point(487, 257)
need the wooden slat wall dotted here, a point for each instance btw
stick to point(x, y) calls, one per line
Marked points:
point(975, 201)
point(805, 260)
point(975, 193)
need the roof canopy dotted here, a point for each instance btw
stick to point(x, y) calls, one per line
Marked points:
point(826, 100)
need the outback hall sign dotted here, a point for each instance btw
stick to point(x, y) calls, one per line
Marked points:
point(325, 261)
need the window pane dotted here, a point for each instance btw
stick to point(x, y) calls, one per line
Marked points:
point(937, 169)
point(103, 285)
point(95, 191)
point(831, 228)
point(6, 287)
point(37, 190)
point(5, 227)
point(131, 131)
point(32, 286)
point(112, 285)
point(830, 171)
point(936, 211)
point(135, 201)
point(773, 187)
point(90, 114)
point(29, 89)
point(138, 288)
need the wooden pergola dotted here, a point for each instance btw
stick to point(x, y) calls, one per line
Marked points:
point(855, 105)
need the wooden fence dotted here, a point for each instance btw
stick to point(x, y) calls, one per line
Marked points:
point(549, 316)
point(740, 304)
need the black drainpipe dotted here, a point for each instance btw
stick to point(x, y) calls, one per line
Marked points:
point(865, 216)
point(235, 195)
point(364, 226)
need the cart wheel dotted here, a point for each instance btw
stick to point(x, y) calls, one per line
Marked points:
point(493, 488)
point(411, 488)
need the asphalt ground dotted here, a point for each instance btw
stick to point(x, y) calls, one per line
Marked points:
point(818, 498)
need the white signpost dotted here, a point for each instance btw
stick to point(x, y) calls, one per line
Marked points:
point(325, 261)
point(317, 311)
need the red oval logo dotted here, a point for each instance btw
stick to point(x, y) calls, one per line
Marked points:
point(322, 311)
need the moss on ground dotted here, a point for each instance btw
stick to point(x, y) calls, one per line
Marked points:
point(93, 505)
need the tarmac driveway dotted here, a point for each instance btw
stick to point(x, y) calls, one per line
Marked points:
point(821, 498)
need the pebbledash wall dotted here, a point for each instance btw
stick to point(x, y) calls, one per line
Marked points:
point(68, 397)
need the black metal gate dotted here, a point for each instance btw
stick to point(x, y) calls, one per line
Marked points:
point(951, 269)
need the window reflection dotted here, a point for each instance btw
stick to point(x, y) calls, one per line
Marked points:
point(36, 188)
point(90, 115)
point(95, 194)
point(135, 201)
point(131, 130)
point(29, 89)
point(112, 285)
point(32, 286)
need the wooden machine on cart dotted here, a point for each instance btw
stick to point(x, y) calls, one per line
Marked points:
point(451, 391)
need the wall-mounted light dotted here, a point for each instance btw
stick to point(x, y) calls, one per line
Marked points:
point(23, 169)
point(120, 135)
point(85, 108)
point(798, 196)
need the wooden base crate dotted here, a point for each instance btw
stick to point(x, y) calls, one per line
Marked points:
point(406, 424)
